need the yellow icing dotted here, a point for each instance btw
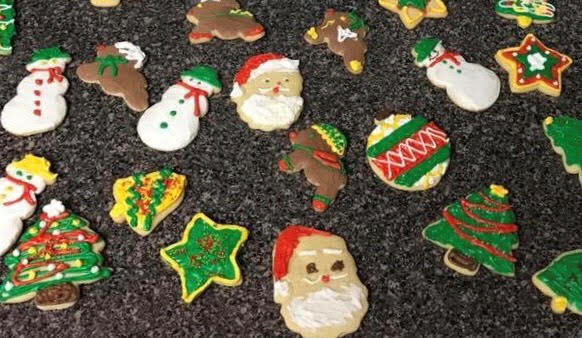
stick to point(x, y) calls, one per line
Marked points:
point(328, 140)
point(524, 21)
point(559, 304)
point(47, 257)
point(77, 264)
point(30, 275)
point(312, 33)
point(498, 190)
point(387, 126)
point(549, 120)
point(356, 65)
point(31, 251)
point(37, 166)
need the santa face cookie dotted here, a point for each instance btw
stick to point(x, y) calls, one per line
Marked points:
point(116, 69)
point(223, 19)
point(267, 92)
point(408, 153)
point(318, 151)
point(469, 85)
point(7, 30)
point(39, 105)
point(18, 189)
point(344, 33)
point(565, 133)
point(526, 12)
point(412, 12)
point(316, 283)
point(172, 123)
point(54, 255)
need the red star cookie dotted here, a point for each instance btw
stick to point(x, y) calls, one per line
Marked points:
point(533, 66)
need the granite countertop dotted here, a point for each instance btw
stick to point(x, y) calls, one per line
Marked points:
point(233, 176)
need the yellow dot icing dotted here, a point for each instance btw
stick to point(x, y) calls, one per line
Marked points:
point(355, 65)
point(549, 120)
point(498, 190)
point(312, 33)
point(559, 304)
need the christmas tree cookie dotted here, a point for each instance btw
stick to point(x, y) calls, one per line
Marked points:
point(533, 66)
point(526, 12)
point(408, 153)
point(565, 133)
point(206, 254)
point(143, 201)
point(412, 12)
point(39, 105)
point(478, 230)
point(562, 280)
point(54, 255)
point(172, 123)
point(7, 29)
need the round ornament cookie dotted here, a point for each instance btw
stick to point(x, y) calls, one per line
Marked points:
point(565, 133)
point(412, 12)
point(408, 153)
point(316, 283)
point(7, 29)
point(526, 12)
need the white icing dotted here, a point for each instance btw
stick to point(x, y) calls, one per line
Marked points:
point(59, 275)
point(327, 307)
point(536, 61)
point(50, 267)
point(281, 288)
point(331, 251)
point(278, 65)
point(345, 33)
point(132, 53)
point(54, 208)
point(80, 238)
point(236, 90)
point(18, 116)
point(8, 286)
point(268, 112)
point(24, 261)
point(306, 252)
point(95, 269)
point(16, 253)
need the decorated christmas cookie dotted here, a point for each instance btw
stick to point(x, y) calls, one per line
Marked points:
point(533, 66)
point(344, 33)
point(117, 70)
point(7, 30)
point(408, 153)
point(526, 12)
point(18, 189)
point(206, 254)
point(267, 92)
point(565, 133)
point(318, 151)
point(54, 255)
point(478, 230)
point(143, 201)
point(317, 284)
point(469, 85)
point(172, 123)
point(562, 280)
point(223, 19)
point(39, 105)
point(412, 12)
point(105, 3)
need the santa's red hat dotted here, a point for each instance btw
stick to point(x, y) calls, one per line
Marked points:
point(260, 64)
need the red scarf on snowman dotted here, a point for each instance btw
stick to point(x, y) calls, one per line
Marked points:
point(193, 93)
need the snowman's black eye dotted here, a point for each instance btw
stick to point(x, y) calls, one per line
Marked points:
point(267, 81)
point(29, 177)
point(311, 268)
point(19, 173)
point(337, 266)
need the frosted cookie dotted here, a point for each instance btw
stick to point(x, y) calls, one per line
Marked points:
point(408, 153)
point(7, 28)
point(316, 283)
point(412, 12)
point(267, 92)
point(565, 133)
point(173, 123)
point(205, 255)
point(469, 85)
point(39, 105)
point(18, 189)
point(143, 201)
point(526, 12)
point(54, 255)
point(478, 230)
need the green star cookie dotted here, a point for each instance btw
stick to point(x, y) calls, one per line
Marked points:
point(205, 254)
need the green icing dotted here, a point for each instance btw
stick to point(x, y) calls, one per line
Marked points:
point(443, 235)
point(413, 175)
point(48, 53)
point(78, 275)
point(158, 188)
point(405, 131)
point(566, 133)
point(205, 74)
point(7, 27)
point(111, 62)
point(424, 47)
point(420, 4)
point(356, 22)
point(538, 10)
point(564, 278)
point(334, 135)
point(535, 53)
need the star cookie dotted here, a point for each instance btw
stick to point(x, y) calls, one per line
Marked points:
point(412, 12)
point(206, 254)
point(533, 66)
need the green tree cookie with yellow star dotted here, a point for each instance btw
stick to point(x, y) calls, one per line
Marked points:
point(205, 254)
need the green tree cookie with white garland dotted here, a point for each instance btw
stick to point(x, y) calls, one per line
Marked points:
point(565, 133)
point(7, 29)
point(526, 12)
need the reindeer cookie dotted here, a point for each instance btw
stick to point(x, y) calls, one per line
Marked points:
point(116, 69)
point(223, 19)
point(317, 151)
point(344, 33)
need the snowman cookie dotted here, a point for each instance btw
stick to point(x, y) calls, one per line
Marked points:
point(408, 153)
point(18, 189)
point(469, 85)
point(172, 123)
point(39, 105)
point(526, 12)
point(7, 30)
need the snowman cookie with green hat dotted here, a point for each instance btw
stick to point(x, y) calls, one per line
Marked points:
point(172, 123)
point(469, 85)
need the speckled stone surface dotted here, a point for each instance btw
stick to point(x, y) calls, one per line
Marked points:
point(233, 176)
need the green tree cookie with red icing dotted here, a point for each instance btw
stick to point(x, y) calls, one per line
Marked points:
point(54, 255)
point(478, 230)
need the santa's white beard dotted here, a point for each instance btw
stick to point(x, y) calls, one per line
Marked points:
point(327, 307)
point(272, 112)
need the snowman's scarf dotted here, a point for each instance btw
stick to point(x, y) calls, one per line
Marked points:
point(27, 194)
point(446, 55)
point(193, 93)
point(55, 73)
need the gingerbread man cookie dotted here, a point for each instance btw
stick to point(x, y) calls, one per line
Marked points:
point(344, 33)
point(223, 19)
point(412, 12)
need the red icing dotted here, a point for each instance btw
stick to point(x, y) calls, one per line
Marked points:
point(198, 36)
point(27, 193)
point(255, 31)
point(446, 55)
point(37, 92)
point(325, 278)
point(253, 63)
point(55, 73)
point(38, 81)
point(328, 159)
point(36, 112)
point(285, 245)
point(194, 94)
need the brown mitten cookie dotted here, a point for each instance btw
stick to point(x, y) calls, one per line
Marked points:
point(344, 33)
